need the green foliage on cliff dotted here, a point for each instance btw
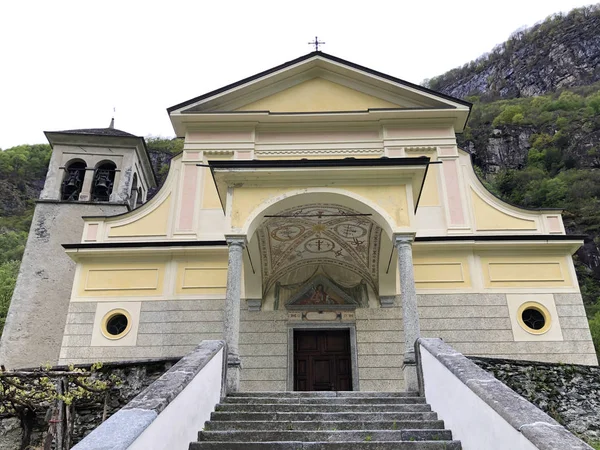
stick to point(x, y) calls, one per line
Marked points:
point(595, 329)
point(8, 278)
point(22, 169)
point(25, 162)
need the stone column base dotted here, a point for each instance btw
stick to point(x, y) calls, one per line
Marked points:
point(234, 368)
point(409, 369)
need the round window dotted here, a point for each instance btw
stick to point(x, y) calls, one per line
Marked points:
point(534, 318)
point(116, 324)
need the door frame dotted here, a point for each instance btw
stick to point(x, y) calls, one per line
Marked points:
point(322, 327)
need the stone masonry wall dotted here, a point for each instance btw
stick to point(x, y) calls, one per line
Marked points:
point(479, 325)
point(567, 392)
point(167, 329)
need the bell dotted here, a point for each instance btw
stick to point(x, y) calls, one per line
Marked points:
point(73, 181)
point(102, 183)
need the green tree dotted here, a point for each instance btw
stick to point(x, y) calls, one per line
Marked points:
point(595, 329)
point(12, 245)
point(8, 278)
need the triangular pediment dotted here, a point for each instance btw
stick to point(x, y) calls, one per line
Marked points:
point(318, 83)
point(319, 95)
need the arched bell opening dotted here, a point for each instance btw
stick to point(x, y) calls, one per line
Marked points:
point(104, 178)
point(73, 180)
point(300, 244)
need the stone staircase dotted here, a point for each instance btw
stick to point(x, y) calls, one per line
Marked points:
point(324, 420)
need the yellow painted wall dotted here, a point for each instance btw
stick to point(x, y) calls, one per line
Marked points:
point(121, 278)
point(210, 197)
point(488, 218)
point(430, 194)
point(247, 199)
point(152, 224)
point(441, 272)
point(318, 94)
point(526, 271)
point(392, 198)
point(206, 274)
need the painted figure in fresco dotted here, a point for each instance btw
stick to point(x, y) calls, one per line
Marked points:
point(319, 297)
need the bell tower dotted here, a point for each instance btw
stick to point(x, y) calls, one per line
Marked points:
point(97, 171)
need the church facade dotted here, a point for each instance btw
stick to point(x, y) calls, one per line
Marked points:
point(320, 218)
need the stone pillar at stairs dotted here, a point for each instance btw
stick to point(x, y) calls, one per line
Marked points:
point(410, 315)
point(232, 311)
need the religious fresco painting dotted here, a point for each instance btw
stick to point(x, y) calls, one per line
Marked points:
point(321, 292)
point(320, 296)
point(319, 234)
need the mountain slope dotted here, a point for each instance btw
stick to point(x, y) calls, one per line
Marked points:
point(534, 131)
point(562, 51)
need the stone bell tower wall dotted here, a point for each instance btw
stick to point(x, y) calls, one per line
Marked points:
point(36, 318)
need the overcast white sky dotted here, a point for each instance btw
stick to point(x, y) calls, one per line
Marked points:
point(66, 64)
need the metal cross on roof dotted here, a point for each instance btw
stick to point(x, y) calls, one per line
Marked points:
point(316, 43)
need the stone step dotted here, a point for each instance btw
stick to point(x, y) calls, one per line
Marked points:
point(324, 400)
point(326, 436)
point(410, 445)
point(274, 407)
point(321, 416)
point(325, 425)
point(323, 394)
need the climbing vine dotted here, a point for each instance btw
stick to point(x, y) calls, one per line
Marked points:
point(53, 394)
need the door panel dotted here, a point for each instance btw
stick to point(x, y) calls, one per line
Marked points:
point(322, 360)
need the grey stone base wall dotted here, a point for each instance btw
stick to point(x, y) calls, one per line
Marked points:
point(36, 317)
point(166, 329)
point(380, 342)
point(475, 324)
point(263, 350)
point(479, 325)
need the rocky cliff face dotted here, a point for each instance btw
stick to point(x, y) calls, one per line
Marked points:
point(499, 148)
point(562, 51)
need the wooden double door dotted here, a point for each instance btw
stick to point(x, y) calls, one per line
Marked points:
point(322, 360)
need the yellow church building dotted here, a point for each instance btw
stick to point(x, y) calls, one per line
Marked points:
point(320, 218)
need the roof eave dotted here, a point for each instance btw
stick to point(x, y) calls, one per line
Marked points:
point(182, 121)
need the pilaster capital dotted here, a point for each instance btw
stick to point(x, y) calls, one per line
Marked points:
point(404, 239)
point(236, 240)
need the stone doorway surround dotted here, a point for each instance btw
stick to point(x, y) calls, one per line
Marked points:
point(306, 326)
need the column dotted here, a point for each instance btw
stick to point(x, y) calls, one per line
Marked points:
point(86, 190)
point(232, 311)
point(410, 315)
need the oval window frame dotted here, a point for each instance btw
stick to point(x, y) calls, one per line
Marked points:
point(109, 315)
point(542, 310)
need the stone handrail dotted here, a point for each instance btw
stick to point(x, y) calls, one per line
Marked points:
point(169, 413)
point(481, 411)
